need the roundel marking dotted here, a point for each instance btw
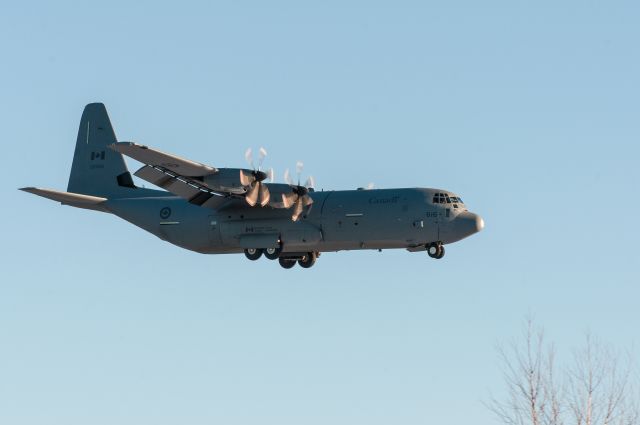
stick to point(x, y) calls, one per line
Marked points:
point(165, 213)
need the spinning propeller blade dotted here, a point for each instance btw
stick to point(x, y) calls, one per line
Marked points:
point(265, 196)
point(261, 157)
point(297, 211)
point(252, 195)
point(299, 197)
point(246, 179)
point(257, 192)
point(288, 199)
point(306, 200)
point(311, 182)
point(287, 177)
point(248, 156)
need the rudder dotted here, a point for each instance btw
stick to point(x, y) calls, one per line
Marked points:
point(98, 170)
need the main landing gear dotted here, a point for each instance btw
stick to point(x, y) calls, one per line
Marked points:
point(308, 260)
point(286, 263)
point(272, 253)
point(253, 254)
point(305, 260)
point(435, 250)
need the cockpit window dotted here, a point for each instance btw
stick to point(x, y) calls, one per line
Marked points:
point(445, 198)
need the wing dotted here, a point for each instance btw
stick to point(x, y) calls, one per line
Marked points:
point(194, 191)
point(180, 176)
point(150, 156)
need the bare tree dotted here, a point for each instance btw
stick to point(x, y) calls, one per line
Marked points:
point(602, 391)
point(598, 387)
point(532, 395)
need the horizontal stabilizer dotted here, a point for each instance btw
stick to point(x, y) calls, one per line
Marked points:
point(68, 198)
point(151, 156)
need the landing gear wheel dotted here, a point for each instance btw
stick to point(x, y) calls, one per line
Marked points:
point(435, 250)
point(308, 260)
point(253, 253)
point(272, 253)
point(286, 263)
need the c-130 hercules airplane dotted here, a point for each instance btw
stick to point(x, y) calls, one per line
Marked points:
point(233, 210)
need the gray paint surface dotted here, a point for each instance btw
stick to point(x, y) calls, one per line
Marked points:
point(337, 220)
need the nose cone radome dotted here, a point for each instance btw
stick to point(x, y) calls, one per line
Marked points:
point(468, 223)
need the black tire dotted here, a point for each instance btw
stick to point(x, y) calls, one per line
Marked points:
point(441, 253)
point(253, 253)
point(433, 250)
point(272, 253)
point(308, 260)
point(286, 263)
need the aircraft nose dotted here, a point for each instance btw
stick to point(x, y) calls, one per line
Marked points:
point(469, 222)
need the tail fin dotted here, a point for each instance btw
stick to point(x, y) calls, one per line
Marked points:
point(98, 170)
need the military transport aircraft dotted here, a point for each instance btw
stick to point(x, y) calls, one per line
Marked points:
point(233, 210)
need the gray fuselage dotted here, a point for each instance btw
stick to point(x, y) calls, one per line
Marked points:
point(337, 220)
point(215, 210)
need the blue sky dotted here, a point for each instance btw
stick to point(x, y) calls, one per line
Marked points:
point(528, 110)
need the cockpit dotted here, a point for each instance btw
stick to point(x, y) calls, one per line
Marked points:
point(447, 198)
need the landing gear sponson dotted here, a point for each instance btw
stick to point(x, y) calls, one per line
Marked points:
point(305, 259)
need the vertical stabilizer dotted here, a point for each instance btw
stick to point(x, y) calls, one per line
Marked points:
point(98, 170)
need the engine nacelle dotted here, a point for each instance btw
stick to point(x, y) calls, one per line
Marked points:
point(229, 180)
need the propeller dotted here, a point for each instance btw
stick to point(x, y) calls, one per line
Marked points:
point(257, 192)
point(299, 197)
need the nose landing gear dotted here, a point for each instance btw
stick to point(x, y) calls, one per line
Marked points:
point(435, 250)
